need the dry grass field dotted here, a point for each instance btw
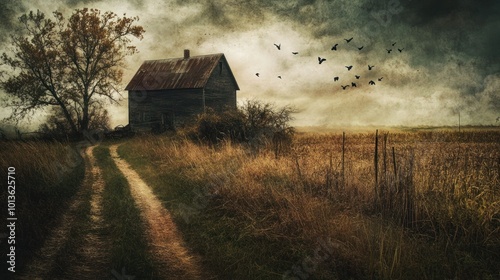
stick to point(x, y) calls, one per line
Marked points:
point(427, 206)
point(421, 204)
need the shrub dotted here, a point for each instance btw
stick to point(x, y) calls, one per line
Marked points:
point(215, 127)
point(256, 123)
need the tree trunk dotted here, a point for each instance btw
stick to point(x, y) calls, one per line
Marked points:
point(67, 115)
point(74, 129)
point(84, 124)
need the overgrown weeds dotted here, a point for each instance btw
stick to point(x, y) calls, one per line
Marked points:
point(426, 208)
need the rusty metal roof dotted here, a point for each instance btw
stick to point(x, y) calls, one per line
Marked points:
point(176, 73)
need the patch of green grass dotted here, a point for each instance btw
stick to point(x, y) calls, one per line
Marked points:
point(125, 228)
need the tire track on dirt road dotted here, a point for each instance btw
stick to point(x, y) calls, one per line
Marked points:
point(90, 258)
point(167, 245)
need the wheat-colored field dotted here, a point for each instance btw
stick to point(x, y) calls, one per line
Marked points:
point(410, 205)
point(385, 205)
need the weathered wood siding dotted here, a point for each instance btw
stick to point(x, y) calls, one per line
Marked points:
point(176, 107)
point(220, 90)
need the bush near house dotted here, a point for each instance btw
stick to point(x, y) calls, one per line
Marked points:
point(257, 123)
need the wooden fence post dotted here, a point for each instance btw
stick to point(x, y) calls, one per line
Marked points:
point(343, 162)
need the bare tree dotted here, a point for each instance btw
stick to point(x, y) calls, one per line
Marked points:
point(71, 64)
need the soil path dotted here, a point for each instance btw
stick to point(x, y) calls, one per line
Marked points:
point(167, 245)
point(88, 259)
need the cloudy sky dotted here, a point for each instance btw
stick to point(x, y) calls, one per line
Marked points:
point(449, 63)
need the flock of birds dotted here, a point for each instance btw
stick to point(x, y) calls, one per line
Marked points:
point(354, 83)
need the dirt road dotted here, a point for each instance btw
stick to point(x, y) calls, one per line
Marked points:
point(78, 247)
point(166, 242)
point(87, 259)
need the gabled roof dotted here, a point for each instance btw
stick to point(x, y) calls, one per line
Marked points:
point(176, 73)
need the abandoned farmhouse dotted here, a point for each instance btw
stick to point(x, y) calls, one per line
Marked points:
point(170, 92)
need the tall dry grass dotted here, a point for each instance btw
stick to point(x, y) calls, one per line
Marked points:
point(47, 175)
point(38, 164)
point(432, 212)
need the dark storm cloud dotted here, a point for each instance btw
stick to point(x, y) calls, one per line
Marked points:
point(216, 14)
point(80, 3)
point(73, 3)
point(9, 13)
point(468, 28)
point(428, 11)
point(465, 27)
point(466, 35)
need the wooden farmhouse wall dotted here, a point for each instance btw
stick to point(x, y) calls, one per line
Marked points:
point(148, 109)
point(220, 90)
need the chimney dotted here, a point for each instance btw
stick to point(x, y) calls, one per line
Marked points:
point(186, 54)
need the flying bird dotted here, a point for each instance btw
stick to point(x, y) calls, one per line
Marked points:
point(335, 79)
point(257, 74)
point(389, 50)
point(349, 67)
point(344, 87)
point(357, 77)
point(334, 48)
point(380, 79)
point(295, 53)
point(360, 48)
point(400, 50)
point(320, 60)
point(353, 84)
point(279, 77)
point(370, 67)
point(278, 46)
point(348, 40)
point(371, 83)
point(393, 44)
